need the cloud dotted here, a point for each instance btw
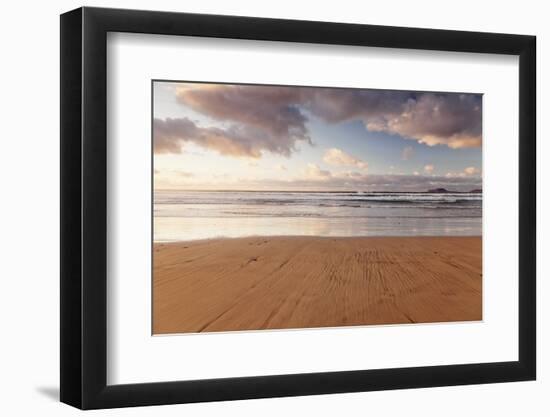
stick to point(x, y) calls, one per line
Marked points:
point(170, 135)
point(314, 178)
point(407, 153)
point(174, 173)
point(173, 178)
point(313, 172)
point(338, 157)
point(467, 172)
point(267, 108)
point(472, 171)
point(448, 119)
point(453, 120)
point(428, 168)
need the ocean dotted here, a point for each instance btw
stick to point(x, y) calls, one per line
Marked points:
point(192, 215)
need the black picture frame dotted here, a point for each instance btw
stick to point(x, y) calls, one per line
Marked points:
point(84, 207)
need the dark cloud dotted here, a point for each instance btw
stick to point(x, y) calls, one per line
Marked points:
point(269, 108)
point(448, 119)
point(170, 135)
point(451, 119)
point(337, 105)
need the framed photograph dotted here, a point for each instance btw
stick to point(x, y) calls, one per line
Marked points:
point(259, 208)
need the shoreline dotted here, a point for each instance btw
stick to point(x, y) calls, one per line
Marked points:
point(165, 242)
point(293, 282)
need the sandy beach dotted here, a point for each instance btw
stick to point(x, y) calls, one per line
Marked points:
point(260, 283)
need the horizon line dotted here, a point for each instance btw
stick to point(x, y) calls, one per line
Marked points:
point(476, 190)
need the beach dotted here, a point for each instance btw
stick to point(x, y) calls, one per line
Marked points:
point(294, 282)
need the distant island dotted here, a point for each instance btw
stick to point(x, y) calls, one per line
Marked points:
point(444, 190)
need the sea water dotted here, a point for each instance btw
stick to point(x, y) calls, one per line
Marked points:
point(191, 215)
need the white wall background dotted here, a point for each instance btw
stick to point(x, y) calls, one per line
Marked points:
point(29, 229)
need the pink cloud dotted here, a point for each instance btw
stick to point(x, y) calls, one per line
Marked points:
point(276, 117)
point(170, 136)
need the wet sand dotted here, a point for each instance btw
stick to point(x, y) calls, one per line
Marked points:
point(303, 282)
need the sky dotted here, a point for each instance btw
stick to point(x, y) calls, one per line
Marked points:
point(257, 137)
